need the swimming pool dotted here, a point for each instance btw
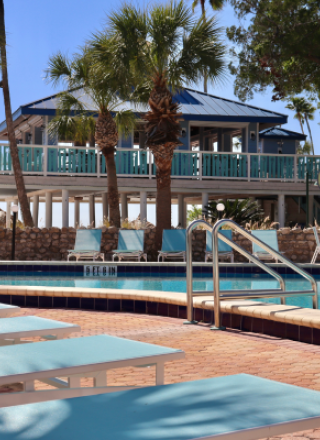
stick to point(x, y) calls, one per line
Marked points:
point(170, 284)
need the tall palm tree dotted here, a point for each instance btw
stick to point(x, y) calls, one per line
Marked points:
point(91, 87)
point(309, 116)
point(216, 5)
point(21, 190)
point(297, 105)
point(174, 49)
point(304, 112)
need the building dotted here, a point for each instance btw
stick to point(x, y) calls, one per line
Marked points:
point(229, 150)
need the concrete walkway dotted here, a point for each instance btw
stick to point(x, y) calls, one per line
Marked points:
point(208, 353)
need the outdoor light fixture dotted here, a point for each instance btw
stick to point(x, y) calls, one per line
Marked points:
point(14, 209)
point(220, 208)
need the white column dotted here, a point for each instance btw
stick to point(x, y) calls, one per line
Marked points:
point(205, 201)
point(143, 205)
point(77, 212)
point(105, 206)
point(181, 217)
point(35, 210)
point(124, 206)
point(65, 208)
point(48, 210)
point(8, 215)
point(281, 210)
point(92, 212)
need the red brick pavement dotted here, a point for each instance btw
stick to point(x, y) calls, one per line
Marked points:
point(208, 353)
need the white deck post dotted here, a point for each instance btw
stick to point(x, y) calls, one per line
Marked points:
point(105, 206)
point(48, 209)
point(8, 215)
point(205, 201)
point(181, 211)
point(124, 206)
point(92, 211)
point(77, 211)
point(35, 210)
point(143, 206)
point(65, 208)
point(281, 210)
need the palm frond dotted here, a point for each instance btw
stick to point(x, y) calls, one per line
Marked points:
point(126, 121)
point(59, 69)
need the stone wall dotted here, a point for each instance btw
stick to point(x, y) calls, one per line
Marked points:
point(53, 244)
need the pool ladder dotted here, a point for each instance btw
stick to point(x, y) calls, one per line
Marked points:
point(239, 294)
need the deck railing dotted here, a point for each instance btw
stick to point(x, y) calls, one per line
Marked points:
point(46, 160)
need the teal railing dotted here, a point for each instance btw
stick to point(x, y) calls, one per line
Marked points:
point(53, 160)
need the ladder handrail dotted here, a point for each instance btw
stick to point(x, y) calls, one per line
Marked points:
point(215, 261)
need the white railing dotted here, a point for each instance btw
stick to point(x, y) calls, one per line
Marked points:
point(45, 160)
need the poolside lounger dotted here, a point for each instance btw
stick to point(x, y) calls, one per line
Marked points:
point(8, 310)
point(13, 329)
point(271, 239)
point(173, 244)
point(317, 250)
point(225, 251)
point(130, 245)
point(75, 358)
point(223, 408)
point(87, 245)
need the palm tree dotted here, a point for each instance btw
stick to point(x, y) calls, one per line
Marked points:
point(91, 87)
point(240, 211)
point(174, 49)
point(21, 190)
point(304, 112)
point(216, 6)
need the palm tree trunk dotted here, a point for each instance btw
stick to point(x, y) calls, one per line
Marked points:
point(21, 190)
point(301, 125)
point(163, 156)
point(113, 195)
point(309, 129)
point(106, 136)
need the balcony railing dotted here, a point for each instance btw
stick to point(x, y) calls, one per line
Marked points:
point(81, 161)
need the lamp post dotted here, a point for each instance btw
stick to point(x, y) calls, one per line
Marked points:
point(14, 210)
point(220, 208)
point(307, 194)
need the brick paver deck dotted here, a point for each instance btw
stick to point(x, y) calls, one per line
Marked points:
point(208, 353)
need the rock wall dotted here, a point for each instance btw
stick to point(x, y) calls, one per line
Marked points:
point(53, 244)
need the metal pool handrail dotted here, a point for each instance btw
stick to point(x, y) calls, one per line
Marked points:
point(239, 294)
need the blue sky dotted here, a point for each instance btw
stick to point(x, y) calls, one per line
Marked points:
point(39, 28)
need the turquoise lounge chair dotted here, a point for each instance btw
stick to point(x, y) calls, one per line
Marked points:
point(225, 251)
point(231, 408)
point(173, 244)
point(91, 356)
point(130, 245)
point(87, 245)
point(13, 329)
point(270, 238)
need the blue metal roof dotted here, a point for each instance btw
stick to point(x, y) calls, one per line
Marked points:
point(195, 106)
point(278, 132)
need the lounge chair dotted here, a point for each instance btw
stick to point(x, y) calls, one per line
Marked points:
point(87, 245)
point(75, 358)
point(231, 408)
point(7, 310)
point(271, 239)
point(173, 244)
point(317, 250)
point(13, 329)
point(224, 250)
point(130, 245)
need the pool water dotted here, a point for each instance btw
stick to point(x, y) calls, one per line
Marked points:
point(171, 284)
